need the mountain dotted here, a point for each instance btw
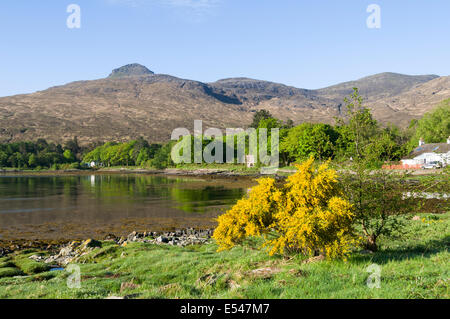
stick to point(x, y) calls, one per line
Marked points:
point(130, 70)
point(133, 101)
point(379, 86)
point(412, 103)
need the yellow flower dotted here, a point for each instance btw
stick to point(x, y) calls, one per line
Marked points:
point(308, 213)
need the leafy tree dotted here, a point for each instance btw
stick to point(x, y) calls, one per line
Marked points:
point(73, 147)
point(361, 127)
point(377, 195)
point(289, 124)
point(3, 158)
point(388, 145)
point(270, 123)
point(32, 161)
point(41, 143)
point(259, 116)
point(305, 140)
point(94, 155)
point(362, 139)
point(163, 157)
point(434, 127)
point(69, 156)
point(143, 157)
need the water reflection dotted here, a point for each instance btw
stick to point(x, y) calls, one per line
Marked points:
point(108, 201)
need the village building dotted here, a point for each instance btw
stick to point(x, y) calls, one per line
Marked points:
point(250, 160)
point(434, 153)
point(92, 164)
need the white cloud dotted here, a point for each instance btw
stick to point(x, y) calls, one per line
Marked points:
point(188, 4)
point(190, 10)
point(131, 3)
point(194, 4)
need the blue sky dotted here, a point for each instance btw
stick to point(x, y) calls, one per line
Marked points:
point(304, 43)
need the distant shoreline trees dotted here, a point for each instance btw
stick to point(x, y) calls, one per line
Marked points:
point(355, 135)
point(134, 153)
point(33, 155)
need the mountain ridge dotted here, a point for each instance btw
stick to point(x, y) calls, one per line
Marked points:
point(134, 101)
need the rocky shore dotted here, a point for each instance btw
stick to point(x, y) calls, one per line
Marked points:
point(182, 238)
point(64, 253)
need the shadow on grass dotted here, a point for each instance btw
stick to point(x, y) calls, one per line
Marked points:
point(425, 250)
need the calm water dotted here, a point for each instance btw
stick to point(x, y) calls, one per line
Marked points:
point(70, 207)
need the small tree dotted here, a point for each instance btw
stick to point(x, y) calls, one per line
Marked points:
point(359, 128)
point(377, 195)
point(379, 200)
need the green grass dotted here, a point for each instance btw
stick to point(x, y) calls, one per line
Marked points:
point(29, 266)
point(416, 265)
point(9, 272)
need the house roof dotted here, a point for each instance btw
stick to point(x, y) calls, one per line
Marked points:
point(437, 148)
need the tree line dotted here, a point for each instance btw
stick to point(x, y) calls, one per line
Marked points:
point(134, 153)
point(39, 154)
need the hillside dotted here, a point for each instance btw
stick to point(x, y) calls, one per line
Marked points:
point(133, 102)
point(375, 87)
point(413, 103)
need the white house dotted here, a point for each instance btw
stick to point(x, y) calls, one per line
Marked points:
point(93, 164)
point(250, 160)
point(427, 153)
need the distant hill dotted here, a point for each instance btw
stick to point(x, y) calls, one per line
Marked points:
point(412, 103)
point(133, 102)
point(377, 86)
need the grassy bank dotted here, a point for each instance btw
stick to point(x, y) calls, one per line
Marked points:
point(415, 266)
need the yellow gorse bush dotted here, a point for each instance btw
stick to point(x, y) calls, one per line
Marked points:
point(309, 214)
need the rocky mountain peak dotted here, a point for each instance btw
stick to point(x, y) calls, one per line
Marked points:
point(130, 70)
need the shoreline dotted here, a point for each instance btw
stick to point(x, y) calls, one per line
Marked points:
point(168, 172)
point(200, 172)
point(179, 237)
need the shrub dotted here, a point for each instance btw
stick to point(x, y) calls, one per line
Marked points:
point(307, 214)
